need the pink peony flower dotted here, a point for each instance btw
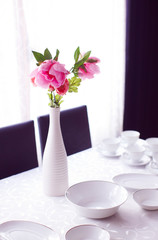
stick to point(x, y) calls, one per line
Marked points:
point(90, 68)
point(62, 90)
point(49, 73)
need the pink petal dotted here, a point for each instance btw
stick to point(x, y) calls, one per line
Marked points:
point(58, 80)
point(60, 68)
point(34, 73)
point(45, 66)
point(41, 81)
point(92, 67)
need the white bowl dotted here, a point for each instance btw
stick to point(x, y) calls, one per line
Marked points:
point(147, 198)
point(111, 144)
point(86, 232)
point(96, 199)
point(130, 136)
point(135, 152)
point(153, 144)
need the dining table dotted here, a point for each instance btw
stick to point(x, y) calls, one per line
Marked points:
point(22, 198)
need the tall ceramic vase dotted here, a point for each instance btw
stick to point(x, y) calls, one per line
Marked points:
point(55, 170)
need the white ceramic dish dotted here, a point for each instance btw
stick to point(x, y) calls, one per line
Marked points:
point(87, 232)
point(140, 141)
point(118, 153)
point(136, 152)
point(129, 136)
point(147, 198)
point(152, 144)
point(137, 181)
point(111, 144)
point(96, 199)
point(142, 162)
point(106, 153)
point(24, 230)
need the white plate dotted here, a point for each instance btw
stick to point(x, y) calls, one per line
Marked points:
point(147, 198)
point(26, 230)
point(143, 161)
point(96, 198)
point(87, 232)
point(118, 153)
point(136, 181)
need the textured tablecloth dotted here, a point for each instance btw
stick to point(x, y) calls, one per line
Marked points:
point(22, 198)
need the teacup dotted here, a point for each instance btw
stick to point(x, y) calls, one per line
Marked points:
point(153, 144)
point(129, 137)
point(136, 152)
point(111, 145)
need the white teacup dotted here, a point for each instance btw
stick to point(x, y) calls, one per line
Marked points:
point(155, 159)
point(111, 145)
point(136, 152)
point(130, 137)
point(153, 144)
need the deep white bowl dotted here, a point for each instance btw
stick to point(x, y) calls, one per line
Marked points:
point(147, 198)
point(111, 144)
point(96, 199)
point(130, 136)
point(86, 232)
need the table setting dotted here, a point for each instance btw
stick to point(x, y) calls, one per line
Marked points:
point(106, 197)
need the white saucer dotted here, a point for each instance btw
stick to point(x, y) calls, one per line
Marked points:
point(143, 161)
point(24, 230)
point(118, 153)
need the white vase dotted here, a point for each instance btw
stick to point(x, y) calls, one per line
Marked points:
point(55, 170)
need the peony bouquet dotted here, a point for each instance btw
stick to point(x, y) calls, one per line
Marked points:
point(53, 76)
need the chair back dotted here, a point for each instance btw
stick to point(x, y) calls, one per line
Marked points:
point(74, 127)
point(17, 149)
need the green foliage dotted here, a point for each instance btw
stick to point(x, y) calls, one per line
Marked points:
point(47, 54)
point(92, 60)
point(74, 83)
point(57, 55)
point(55, 100)
point(77, 54)
point(58, 99)
point(83, 60)
point(80, 63)
point(40, 57)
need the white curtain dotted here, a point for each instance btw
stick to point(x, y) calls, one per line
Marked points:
point(98, 26)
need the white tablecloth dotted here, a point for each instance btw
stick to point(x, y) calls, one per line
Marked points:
point(22, 198)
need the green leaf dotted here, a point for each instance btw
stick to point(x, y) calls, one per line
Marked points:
point(38, 56)
point(73, 89)
point(57, 55)
point(86, 55)
point(92, 60)
point(83, 60)
point(77, 54)
point(74, 83)
point(47, 54)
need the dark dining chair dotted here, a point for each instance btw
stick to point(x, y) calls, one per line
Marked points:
point(17, 149)
point(75, 129)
